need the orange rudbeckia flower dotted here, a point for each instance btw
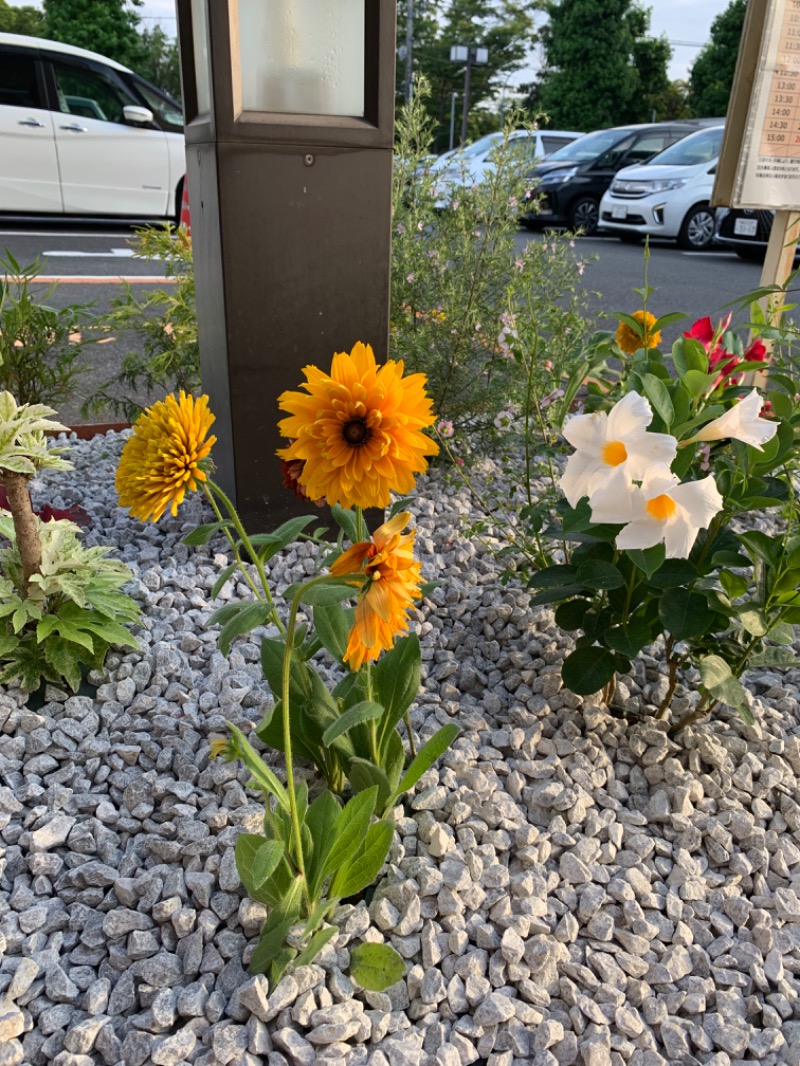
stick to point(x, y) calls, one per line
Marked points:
point(630, 341)
point(393, 584)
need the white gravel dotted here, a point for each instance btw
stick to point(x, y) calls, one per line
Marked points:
point(565, 887)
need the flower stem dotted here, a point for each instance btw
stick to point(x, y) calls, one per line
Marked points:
point(26, 529)
point(211, 488)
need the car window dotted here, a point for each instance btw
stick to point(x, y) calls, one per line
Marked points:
point(589, 147)
point(646, 146)
point(18, 84)
point(90, 94)
point(700, 147)
point(552, 144)
point(167, 110)
point(612, 155)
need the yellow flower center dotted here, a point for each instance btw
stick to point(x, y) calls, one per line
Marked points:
point(614, 453)
point(661, 507)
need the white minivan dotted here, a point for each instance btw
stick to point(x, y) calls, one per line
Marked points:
point(83, 135)
point(669, 196)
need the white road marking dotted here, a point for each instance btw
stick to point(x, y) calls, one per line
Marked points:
point(58, 233)
point(100, 279)
point(115, 253)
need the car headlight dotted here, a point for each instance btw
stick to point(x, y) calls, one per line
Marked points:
point(667, 185)
point(558, 177)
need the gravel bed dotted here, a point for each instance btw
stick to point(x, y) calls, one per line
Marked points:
point(566, 887)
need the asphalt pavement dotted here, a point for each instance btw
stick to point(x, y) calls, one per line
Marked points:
point(88, 264)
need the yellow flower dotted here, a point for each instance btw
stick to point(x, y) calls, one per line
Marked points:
point(219, 748)
point(162, 458)
point(393, 585)
point(358, 430)
point(630, 341)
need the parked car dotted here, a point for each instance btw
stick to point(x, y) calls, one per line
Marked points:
point(572, 180)
point(744, 231)
point(83, 135)
point(473, 163)
point(669, 196)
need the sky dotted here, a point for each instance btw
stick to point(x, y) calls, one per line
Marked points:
point(686, 24)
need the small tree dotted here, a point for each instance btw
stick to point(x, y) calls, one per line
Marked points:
point(27, 20)
point(711, 76)
point(159, 61)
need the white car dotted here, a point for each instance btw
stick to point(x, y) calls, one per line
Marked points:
point(83, 135)
point(669, 196)
point(472, 164)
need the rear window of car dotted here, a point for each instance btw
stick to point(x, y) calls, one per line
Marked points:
point(700, 147)
point(18, 84)
point(590, 146)
point(552, 144)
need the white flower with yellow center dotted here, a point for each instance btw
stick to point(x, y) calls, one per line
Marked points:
point(617, 441)
point(741, 422)
point(662, 511)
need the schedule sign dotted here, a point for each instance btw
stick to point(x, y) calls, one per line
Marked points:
point(760, 161)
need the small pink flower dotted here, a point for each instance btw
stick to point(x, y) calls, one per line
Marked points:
point(548, 364)
point(572, 244)
point(455, 205)
point(420, 227)
point(581, 267)
point(400, 228)
point(411, 277)
point(445, 429)
point(519, 264)
point(512, 201)
point(477, 327)
point(459, 461)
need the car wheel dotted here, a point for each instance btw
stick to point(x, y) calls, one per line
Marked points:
point(630, 238)
point(697, 230)
point(584, 214)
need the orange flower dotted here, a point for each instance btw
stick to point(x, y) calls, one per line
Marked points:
point(358, 430)
point(394, 583)
point(162, 458)
point(630, 341)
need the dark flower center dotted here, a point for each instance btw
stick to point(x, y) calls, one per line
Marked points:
point(355, 432)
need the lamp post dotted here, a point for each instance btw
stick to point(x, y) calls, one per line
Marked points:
point(289, 127)
point(471, 54)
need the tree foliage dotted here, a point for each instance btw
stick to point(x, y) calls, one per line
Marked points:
point(601, 68)
point(504, 27)
point(109, 27)
point(159, 61)
point(27, 20)
point(711, 76)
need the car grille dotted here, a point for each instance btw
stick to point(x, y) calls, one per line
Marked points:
point(629, 220)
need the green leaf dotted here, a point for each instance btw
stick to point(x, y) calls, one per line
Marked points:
point(684, 614)
point(315, 946)
point(734, 584)
point(430, 751)
point(673, 573)
point(269, 544)
point(366, 711)
point(224, 576)
point(396, 680)
point(203, 534)
point(552, 577)
point(570, 615)
point(648, 560)
point(323, 595)
point(781, 656)
point(720, 682)
point(277, 925)
point(323, 814)
point(266, 862)
point(263, 775)
point(250, 616)
point(753, 620)
point(546, 596)
point(597, 575)
point(697, 383)
point(346, 520)
point(361, 870)
point(332, 625)
point(761, 546)
point(363, 774)
point(61, 655)
point(350, 829)
point(376, 967)
point(245, 851)
point(629, 639)
point(658, 394)
point(587, 670)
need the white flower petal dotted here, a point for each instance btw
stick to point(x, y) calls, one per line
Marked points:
point(587, 432)
point(577, 474)
point(613, 502)
point(647, 450)
point(641, 533)
point(679, 536)
point(741, 422)
point(659, 481)
point(700, 500)
point(629, 417)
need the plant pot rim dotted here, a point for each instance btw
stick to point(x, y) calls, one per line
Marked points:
point(87, 430)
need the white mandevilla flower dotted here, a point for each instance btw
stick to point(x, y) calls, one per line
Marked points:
point(741, 422)
point(618, 440)
point(662, 510)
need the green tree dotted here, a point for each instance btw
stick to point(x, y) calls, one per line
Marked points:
point(504, 27)
point(601, 69)
point(159, 61)
point(28, 20)
point(711, 76)
point(105, 26)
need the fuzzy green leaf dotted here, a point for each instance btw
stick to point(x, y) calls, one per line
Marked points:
point(376, 967)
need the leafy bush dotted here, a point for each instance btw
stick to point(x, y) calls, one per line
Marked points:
point(165, 323)
point(39, 345)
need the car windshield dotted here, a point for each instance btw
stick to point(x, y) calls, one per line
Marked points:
point(700, 147)
point(588, 147)
point(167, 109)
point(482, 145)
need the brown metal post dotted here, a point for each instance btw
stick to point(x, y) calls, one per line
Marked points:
point(291, 220)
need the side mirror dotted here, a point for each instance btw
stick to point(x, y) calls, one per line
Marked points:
point(137, 116)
